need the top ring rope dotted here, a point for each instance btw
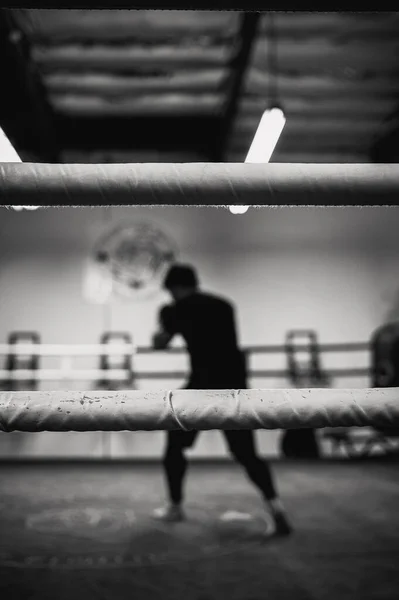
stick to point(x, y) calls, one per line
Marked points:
point(205, 184)
point(198, 409)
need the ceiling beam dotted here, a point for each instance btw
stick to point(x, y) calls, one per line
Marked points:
point(238, 66)
point(157, 105)
point(25, 115)
point(124, 59)
point(173, 134)
point(107, 85)
point(318, 54)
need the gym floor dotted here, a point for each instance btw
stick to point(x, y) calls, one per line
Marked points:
point(84, 530)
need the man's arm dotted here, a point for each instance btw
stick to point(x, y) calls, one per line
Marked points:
point(165, 333)
point(161, 339)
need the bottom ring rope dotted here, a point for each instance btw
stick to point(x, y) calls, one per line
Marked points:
point(142, 410)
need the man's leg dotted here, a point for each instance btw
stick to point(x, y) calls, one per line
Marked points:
point(242, 447)
point(175, 467)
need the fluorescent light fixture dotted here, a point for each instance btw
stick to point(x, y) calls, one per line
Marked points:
point(238, 210)
point(265, 140)
point(7, 150)
point(19, 208)
point(266, 137)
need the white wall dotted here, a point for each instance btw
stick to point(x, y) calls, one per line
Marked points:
point(343, 287)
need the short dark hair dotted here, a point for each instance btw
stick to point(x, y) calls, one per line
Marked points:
point(181, 275)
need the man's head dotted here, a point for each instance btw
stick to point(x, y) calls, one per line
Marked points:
point(181, 281)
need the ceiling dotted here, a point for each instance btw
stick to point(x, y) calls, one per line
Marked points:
point(183, 86)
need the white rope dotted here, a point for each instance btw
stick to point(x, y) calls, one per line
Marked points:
point(135, 410)
point(222, 184)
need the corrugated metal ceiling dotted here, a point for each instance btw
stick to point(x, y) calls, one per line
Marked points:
point(337, 78)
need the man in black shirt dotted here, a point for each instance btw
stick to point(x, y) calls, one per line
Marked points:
point(207, 325)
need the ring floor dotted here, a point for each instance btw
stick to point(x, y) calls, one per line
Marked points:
point(81, 530)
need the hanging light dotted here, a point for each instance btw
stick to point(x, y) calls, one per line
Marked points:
point(265, 140)
point(267, 135)
point(271, 123)
point(19, 208)
point(238, 210)
point(7, 151)
point(273, 119)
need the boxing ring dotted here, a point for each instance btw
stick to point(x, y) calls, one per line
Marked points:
point(198, 184)
point(25, 369)
point(99, 521)
point(66, 353)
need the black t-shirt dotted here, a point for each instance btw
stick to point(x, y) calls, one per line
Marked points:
point(207, 325)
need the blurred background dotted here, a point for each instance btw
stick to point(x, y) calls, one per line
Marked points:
point(328, 271)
